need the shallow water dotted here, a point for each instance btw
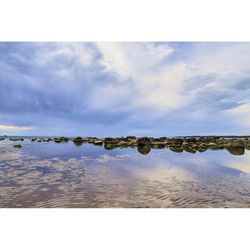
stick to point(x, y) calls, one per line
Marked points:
point(65, 175)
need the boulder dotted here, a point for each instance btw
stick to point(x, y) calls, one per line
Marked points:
point(98, 142)
point(111, 140)
point(175, 141)
point(191, 139)
point(16, 139)
point(17, 146)
point(130, 137)
point(144, 141)
point(77, 139)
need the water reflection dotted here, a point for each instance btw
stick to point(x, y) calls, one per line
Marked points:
point(70, 175)
point(144, 150)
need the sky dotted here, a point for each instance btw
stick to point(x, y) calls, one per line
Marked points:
point(120, 89)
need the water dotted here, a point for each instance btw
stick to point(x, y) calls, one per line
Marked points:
point(65, 175)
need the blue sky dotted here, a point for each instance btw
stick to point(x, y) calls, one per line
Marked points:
point(119, 89)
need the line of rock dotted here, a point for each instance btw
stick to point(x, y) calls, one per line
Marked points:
point(235, 146)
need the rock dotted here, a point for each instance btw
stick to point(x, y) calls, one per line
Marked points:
point(16, 139)
point(111, 140)
point(17, 146)
point(134, 142)
point(191, 139)
point(144, 141)
point(130, 137)
point(98, 142)
point(61, 139)
point(78, 140)
point(174, 141)
point(160, 140)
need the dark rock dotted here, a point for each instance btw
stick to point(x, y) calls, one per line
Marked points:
point(111, 140)
point(78, 140)
point(130, 137)
point(192, 139)
point(61, 139)
point(16, 139)
point(144, 141)
point(17, 146)
point(175, 141)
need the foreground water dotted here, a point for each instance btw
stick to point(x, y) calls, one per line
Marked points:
point(65, 175)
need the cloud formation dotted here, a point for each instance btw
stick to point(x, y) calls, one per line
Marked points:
point(119, 89)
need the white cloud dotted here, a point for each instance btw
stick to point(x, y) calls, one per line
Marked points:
point(12, 127)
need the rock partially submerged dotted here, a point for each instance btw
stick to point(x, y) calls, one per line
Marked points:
point(233, 145)
point(17, 146)
point(16, 139)
point(61, 139)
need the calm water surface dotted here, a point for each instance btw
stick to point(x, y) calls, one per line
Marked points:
point(65, 175)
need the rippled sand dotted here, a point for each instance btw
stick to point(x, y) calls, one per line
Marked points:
point(53, 175)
